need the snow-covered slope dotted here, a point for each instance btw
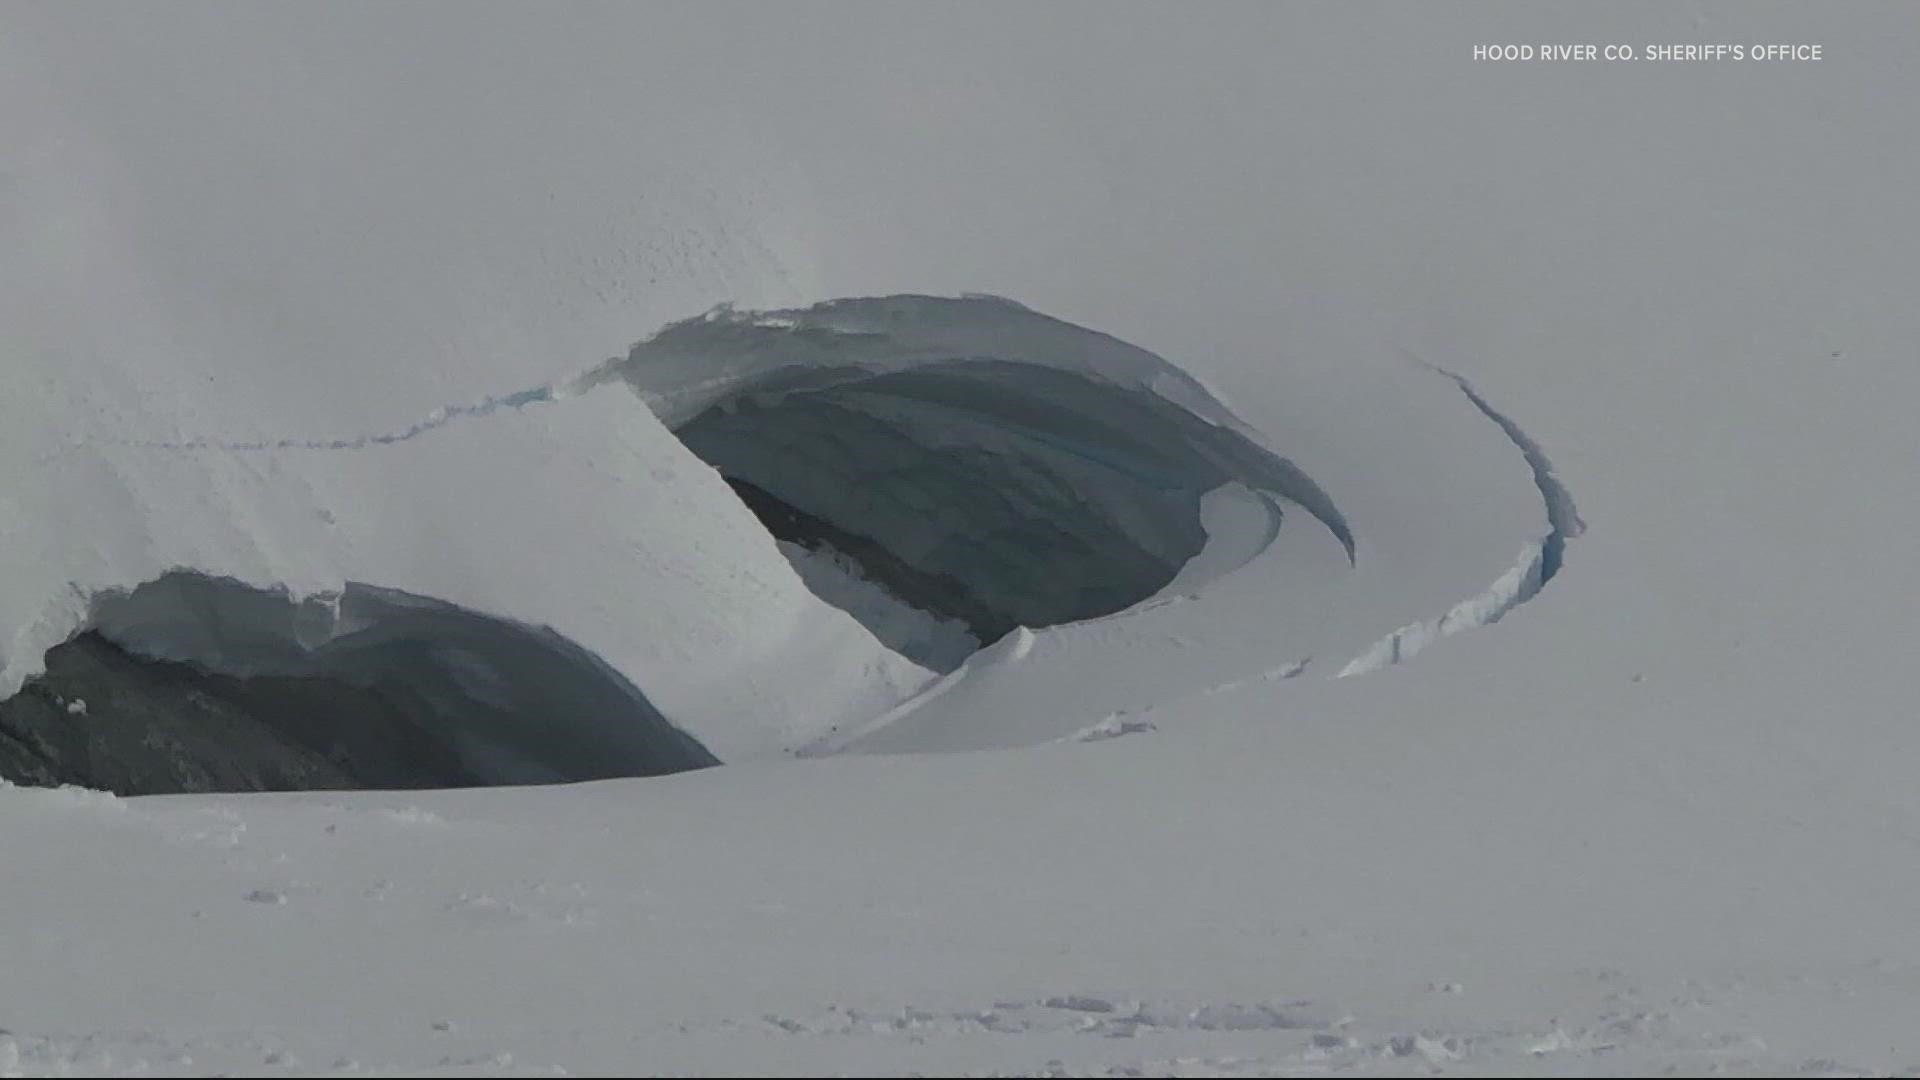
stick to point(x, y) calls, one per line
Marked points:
point(1659, 816)
point(582, 515)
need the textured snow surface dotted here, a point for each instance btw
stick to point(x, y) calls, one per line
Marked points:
point(1659, 817)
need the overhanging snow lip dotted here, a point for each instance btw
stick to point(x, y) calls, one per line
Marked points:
point(726, 353)
point(538, 706)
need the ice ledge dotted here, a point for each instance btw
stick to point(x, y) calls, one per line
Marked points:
point(727, 355)
point(1508, 591)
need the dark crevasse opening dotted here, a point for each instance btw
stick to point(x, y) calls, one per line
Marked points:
point(943, 595)
point(196, 684)
point(994, 493)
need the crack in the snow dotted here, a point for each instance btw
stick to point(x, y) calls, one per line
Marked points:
point(1538, 563)
point(433, 421)
point(1563, 519)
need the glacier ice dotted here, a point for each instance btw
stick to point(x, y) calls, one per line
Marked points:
point(982, 462)
point(919, 635)
point(202, 684)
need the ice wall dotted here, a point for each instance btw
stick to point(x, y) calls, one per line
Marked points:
point(983, 462)
point(192, 683)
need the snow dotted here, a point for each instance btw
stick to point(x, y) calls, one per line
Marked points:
point(1240, 523)
point(638, 557)
point(1658, 816)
